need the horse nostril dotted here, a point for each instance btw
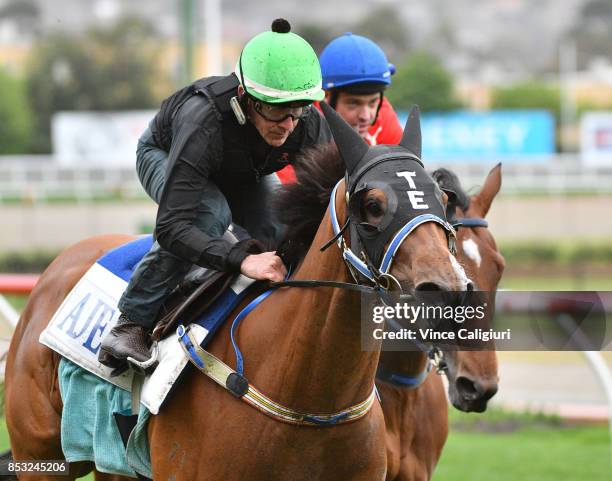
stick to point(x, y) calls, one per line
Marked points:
point(468, 388)
point(470, 286)
point(429, 287)
point(472, 390)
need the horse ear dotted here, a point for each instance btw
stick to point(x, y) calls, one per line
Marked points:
point(412, 132)
point(484, 198)
point(351, 146)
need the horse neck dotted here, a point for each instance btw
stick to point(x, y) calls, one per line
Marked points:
point(327, 369)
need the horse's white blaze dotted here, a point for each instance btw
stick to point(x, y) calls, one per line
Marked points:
point(471, 250)
point(461, 275)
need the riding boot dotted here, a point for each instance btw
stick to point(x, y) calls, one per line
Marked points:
point(126, 339)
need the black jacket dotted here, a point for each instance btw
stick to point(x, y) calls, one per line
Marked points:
point(198, 129)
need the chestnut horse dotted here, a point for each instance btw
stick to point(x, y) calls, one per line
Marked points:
point(302, 346)
point(416, 418)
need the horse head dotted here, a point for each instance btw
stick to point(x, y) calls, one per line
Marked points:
point(394, 213)
point(472, 375)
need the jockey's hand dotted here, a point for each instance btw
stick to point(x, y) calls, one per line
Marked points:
point(264, 266)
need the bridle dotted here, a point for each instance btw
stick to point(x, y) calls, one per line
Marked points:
point(235, 381)
point(361, 264)
point(434, 354)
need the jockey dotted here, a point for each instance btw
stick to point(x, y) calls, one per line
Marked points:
point(356, 73)
point(207, 159)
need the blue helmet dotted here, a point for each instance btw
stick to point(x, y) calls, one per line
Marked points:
point(353, 59)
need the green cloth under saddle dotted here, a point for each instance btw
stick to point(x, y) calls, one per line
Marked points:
point(89, 430)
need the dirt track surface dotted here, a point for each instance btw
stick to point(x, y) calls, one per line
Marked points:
point(568, 389)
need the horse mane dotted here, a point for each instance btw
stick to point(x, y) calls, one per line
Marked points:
point(448, 180)
point(302, 205)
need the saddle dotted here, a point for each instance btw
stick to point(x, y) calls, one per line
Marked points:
point(199, 290)
point(202, 287)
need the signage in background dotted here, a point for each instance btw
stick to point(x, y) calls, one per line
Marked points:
point(508, 135)
point(100, 139)
point(596, 138)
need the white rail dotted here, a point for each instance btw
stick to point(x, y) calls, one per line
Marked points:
point(8, 312)
point(597, 362)
point(37, 178)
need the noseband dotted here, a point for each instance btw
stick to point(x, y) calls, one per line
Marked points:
point(434, 354)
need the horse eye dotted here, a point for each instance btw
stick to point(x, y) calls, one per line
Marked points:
point(373, 208)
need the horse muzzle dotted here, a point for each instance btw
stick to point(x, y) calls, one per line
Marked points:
point(472, 395)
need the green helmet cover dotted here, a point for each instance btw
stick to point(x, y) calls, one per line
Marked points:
point(280, 67)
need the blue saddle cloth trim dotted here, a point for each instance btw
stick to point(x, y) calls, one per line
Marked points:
point(122, 260)
point(218, 312)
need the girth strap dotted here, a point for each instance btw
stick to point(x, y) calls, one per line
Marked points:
point(239, 386)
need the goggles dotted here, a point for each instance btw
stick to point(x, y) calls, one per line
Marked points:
point(279, 113)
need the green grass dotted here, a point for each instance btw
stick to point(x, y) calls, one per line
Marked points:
point(4, 439)
point(498, 420)
point(506, 446)
point(17, 301)
point(527, 454)
point(561, 252)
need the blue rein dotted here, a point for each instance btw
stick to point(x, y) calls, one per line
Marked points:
point(245, 312)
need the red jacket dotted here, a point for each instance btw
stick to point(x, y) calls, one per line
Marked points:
point(386, 130)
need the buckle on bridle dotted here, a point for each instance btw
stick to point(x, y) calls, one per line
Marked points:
point(389, 280)
point(452, 244)
point(437, 359)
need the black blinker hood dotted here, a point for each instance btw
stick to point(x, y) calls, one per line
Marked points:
point(395, 169)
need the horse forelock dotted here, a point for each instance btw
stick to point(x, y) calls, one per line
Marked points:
point(302, 205)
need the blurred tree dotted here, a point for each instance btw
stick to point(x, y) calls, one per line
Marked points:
point(592, 32)
point(384, 26)
point(528, 95)
point(318, 36)
point(115, 68)
point(16, 9)
point(15, 116)
point(422, 80)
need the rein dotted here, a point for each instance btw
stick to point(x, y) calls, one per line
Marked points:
point(470, 222)
point(236, 382)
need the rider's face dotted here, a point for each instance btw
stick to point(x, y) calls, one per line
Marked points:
point(359, 111)
point(274, 133)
